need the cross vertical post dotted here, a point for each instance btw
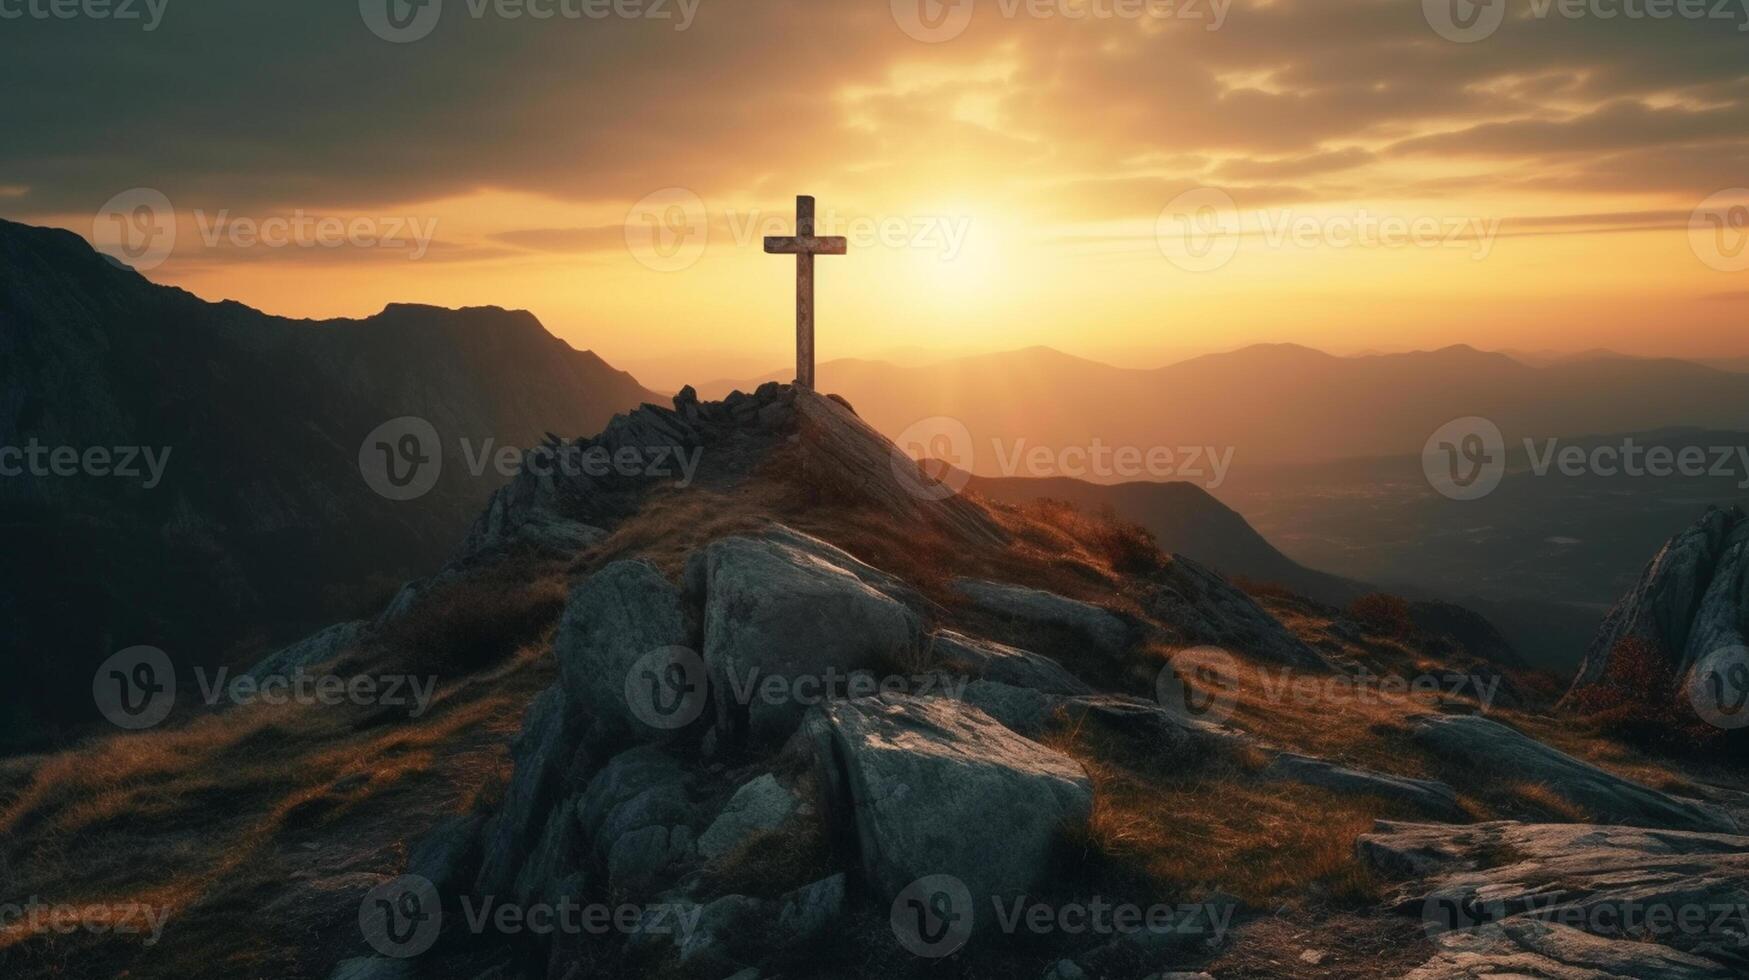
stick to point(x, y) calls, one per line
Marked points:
point(805, 296)
point(804, 246)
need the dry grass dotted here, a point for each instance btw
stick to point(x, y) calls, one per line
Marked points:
point(173, 819)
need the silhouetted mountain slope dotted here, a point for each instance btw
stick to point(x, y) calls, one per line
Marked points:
point(1186, 520)
point(261, 521)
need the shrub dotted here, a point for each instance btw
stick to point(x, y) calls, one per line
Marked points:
point(1639, 700)
point(1385, 614)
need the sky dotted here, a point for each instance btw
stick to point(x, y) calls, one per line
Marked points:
point(1129, 180)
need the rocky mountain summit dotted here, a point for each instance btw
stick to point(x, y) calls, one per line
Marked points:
point(734, 689)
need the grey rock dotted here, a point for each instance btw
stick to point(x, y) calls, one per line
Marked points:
point(1661, 606)
point(1547, 900)
point(554, 855)
point(720, 924)
point(1720, 620)
point(448, 855)
point(809, 911)
point(1024, 710)
point(914, 774)
point(373, 968)
point(1108, 633)
point(313, 650)
point(638, 790)
point(759, 805)
point(640, 857)
point(1435, 798)
point(612, 619)
point(1485, 743)
point(1196, 607)
point(985, 660)
point(776, 610)
point(542, 753)
point(1064, 970)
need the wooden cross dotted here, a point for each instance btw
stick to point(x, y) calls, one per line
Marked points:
point(804, 246)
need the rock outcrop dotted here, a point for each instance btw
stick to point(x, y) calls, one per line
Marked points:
point(1482, 742)
point(937, 787)
point(1108, 633)
point(614, 619)
point(1691, 600)
point(1569, 900)
point(1199, 608)
point(783, 623)
point(1002, 664)
point(1433, 797)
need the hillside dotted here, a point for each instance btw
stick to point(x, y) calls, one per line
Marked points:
point(248, 516)
point(1186, 519)
point(805, 717)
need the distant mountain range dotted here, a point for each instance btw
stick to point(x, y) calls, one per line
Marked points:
point(1275, 404)
point(260, 522)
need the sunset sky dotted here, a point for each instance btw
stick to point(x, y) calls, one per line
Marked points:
point(1007, 179)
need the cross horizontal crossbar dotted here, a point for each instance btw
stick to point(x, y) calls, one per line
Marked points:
point(806, 245)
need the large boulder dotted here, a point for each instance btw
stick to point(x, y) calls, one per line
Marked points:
point(760, 805)
point(1434, 798)
point(637, 816)
point(1489, 745)
point(614, 619)
point(1196, 607)
point(542, 754)
point(1108, 633)
point(318, 648)
point(787, 619)
point(1660, 609)
point(937, 787)
point(1569, 900)
point(984, 660)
